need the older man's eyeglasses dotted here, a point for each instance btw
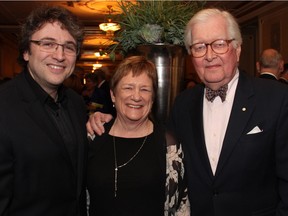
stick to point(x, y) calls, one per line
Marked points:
point(199, 50)
point(51, 47)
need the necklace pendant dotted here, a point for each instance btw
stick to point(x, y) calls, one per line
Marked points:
point(115, 181)
point(122, 165)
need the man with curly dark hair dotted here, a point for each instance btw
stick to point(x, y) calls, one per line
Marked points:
point(43, 135)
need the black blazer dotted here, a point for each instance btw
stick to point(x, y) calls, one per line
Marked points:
point(252, 173)
point(36, 174)
point(108, 104)
point(267, 76)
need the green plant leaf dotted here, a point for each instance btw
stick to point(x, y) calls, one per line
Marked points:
point(141, 23)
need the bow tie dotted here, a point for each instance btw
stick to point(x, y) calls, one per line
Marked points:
point(221, 92)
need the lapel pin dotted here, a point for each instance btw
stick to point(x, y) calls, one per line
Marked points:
point(243, 109)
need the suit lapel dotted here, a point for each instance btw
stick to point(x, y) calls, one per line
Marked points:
point(242, 109)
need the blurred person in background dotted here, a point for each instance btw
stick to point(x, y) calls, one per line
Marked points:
point(284, 75)
point(103, 84)
point(74, 82)
point(270, 64)
point(94, 97)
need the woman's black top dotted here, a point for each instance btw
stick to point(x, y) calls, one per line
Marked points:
point(140, 183)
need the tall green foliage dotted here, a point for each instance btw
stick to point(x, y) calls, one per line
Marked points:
point(152, 22)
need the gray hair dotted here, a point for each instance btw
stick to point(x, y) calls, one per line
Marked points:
point(205, 14)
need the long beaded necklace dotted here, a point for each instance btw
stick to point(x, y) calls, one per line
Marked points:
point(124, 164)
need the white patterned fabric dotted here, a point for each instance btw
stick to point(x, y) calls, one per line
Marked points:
point(177, 202)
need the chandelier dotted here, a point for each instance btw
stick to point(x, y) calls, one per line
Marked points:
point(109, 27)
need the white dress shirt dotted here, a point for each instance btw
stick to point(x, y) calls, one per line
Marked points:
point(215, 118)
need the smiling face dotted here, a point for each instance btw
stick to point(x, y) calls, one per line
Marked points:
point(49, 70)
point(133, 98)
point(213, 69)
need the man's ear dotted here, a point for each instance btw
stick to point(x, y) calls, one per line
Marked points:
point(281, 66)
point(26, 56)
point(258, 66)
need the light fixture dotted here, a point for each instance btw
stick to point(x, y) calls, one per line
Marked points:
point(100, 53)
point(109, 27)
point(97, 54)
point(96, 66)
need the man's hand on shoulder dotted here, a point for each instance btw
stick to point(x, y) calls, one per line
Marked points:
point(95, 123)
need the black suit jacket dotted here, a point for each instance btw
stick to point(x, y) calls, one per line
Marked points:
point(37, 176)
point(282, 80)
point(251, 177)
point(108, 104)
point(267, 76)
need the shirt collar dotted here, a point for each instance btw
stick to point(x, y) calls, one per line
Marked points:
point(100, 84)
point(39, 91)
point(271, 74)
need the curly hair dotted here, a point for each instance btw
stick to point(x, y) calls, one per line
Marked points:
point(48, 14)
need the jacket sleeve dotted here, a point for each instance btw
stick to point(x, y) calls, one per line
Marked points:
point(281, 149)
point(6, 172)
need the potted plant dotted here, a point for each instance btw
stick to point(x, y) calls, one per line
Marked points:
point(155, 29)
point(152, 22)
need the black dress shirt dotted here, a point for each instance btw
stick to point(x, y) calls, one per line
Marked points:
point(59, 116)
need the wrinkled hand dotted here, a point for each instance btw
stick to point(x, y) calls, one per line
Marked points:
point(96, 122)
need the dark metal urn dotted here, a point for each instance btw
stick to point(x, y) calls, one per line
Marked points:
point(170, 63)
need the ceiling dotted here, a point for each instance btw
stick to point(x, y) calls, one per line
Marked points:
point(91, 13)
